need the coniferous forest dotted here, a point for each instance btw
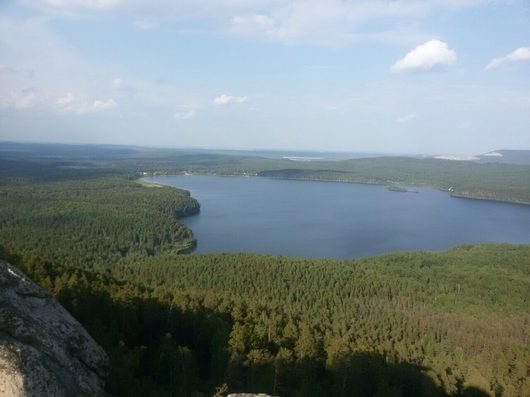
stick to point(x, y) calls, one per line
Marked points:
point(114, 253)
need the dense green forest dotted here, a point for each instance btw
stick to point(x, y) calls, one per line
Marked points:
point(489, 181)
point(406, 324)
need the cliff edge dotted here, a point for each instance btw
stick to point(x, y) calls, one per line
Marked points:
point(44, 351)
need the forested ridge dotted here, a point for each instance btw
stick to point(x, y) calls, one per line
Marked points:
point(501, 182)
point(95, 220)
point(406, 324)
point(487, 181)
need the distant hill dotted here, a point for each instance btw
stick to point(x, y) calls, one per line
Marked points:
point(506, 157)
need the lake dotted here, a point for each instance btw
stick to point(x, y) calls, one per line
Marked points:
point(339, 220)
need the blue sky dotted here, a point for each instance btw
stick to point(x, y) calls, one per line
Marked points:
point(396, 76)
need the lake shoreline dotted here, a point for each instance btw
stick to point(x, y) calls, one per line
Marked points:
point(347, 219)
point(454, 194)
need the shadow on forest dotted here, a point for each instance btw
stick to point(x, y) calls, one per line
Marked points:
point(358, 374)
point(157, 349)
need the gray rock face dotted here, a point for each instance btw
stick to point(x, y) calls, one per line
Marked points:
point(44, 351)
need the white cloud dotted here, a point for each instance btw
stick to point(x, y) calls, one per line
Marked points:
point(20, 99)
point(334, 30)
point(184, 113)
point(72, 4)
point(335, 22)
point(71, 103)
point(253, 25)
point(425, 57)
point(406, 118)
point(46, 60)
point(66, 101)
point(39, 60)
point(520, 54)
point(329, 22)
point(104, 105)
point(223, 100)
point(117, 83)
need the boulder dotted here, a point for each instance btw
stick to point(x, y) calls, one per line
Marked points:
point(44, 351)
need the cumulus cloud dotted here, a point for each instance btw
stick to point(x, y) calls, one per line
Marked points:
point(71, 103)
point(184, 113)
point(406, 118)
point(66, 100)
point(18, 99)
point(253, 25)
point(425, 57)
point(104, 105)
point(520, 54)
point(224, 100)
point(117, 83)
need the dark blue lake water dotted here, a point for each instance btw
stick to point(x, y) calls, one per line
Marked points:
point(339, 220)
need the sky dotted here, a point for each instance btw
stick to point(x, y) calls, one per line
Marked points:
point(387, 76)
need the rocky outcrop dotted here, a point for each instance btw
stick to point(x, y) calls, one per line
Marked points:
point(44, 351)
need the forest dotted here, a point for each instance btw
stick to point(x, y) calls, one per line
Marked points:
point(114, 253)
point(490, 180)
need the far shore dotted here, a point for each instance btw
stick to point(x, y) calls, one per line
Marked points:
point(389, 184)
